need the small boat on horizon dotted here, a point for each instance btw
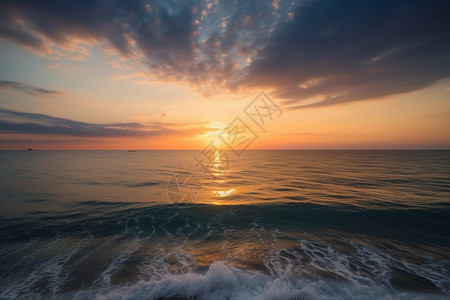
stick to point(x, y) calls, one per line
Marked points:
point(131, 150)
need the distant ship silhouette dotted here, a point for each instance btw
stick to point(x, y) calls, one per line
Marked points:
point(30, 149)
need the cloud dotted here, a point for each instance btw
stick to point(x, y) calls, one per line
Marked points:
point(33, 123)
point(311, 53)
point(206, 46)
point(335, 52)
point(30, 89)
point(17, 34)
point(40, 141)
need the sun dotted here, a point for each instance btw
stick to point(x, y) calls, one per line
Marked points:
point(213, 134)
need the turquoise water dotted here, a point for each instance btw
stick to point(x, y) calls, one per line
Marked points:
point(271, 225)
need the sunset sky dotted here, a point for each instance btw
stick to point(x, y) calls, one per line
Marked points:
point(173, 74)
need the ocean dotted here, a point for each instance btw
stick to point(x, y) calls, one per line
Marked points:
point(265, 225)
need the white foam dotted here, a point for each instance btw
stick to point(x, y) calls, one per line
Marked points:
point(50, 270)
point(225, 282)
point(302, 271)
point(118, 261)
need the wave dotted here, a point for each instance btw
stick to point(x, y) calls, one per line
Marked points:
point(110, 250)
point(124, 183)
point(404, 223)
point(224, 282)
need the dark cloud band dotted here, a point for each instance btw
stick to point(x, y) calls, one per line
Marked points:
point(30, 89)
point(32, 123)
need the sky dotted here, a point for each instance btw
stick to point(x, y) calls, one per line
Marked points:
point(96, 74)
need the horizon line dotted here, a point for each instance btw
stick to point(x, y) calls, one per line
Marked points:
point(135, 150)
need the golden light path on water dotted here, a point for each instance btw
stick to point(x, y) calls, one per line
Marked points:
point(223, 193)
point(220, 164)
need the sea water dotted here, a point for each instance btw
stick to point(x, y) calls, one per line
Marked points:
point(265, 225)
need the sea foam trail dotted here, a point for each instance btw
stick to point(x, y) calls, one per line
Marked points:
point(224, 282)
point(206, 252)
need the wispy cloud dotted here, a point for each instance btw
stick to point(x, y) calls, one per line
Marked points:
point(32, 123)
point(40, 141)
point(30, 89)
point(15, 32)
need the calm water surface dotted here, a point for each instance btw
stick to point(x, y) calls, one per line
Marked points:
point(273, 225)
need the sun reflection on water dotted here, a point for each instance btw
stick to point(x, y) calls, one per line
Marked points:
point(219, 167)
point(223, 193)
point(220, 163)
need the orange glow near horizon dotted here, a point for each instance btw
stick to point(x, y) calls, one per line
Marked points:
point(102, 85)
point(189, 121)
